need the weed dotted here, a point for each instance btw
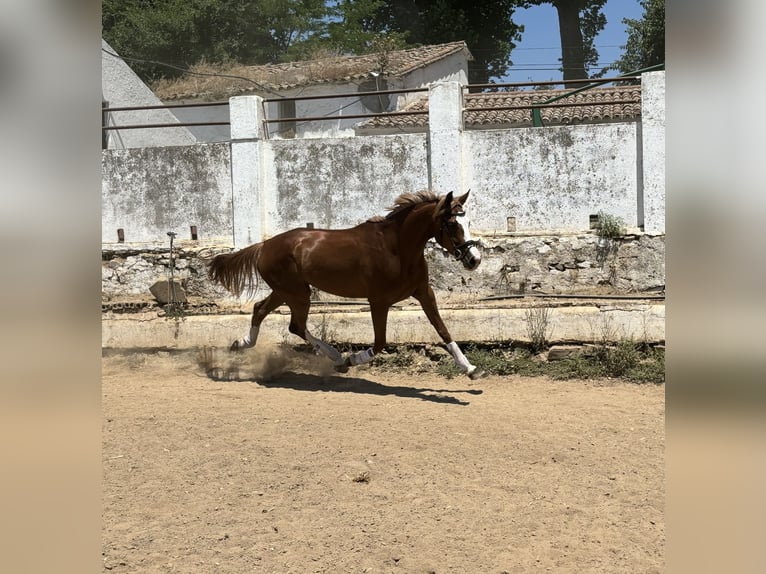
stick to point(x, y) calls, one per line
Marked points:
point(619, 360)
point(398, 359)
point(609, 226)
point(539, 329)
point(447, 369)
point(327, 333)
point(625, 360)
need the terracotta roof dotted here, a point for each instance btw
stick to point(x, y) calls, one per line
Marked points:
point(277, 77)
point(600, 108)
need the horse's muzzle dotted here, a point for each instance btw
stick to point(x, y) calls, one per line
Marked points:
point(468, 255)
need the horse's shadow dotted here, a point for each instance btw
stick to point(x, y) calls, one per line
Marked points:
point(336, 384)
point(278, 376)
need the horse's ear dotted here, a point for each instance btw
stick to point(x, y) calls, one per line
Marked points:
point(444, 206)
point(462, 199)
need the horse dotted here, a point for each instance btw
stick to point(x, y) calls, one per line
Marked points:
point(381, 260)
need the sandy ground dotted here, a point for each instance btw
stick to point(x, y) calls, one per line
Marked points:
point(279, 465)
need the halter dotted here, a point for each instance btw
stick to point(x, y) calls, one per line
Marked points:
point(459, 250)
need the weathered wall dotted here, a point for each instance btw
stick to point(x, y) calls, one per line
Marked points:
point(652, 164)
point(336, 183)
point(542, 179)
point(551, 178)
point(150, 191)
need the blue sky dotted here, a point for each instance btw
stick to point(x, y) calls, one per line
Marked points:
point(536, 58)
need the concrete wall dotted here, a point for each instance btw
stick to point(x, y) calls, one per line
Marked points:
point(552, 178)
point(338, 183)
point(150, 191)
point(652, 162)
point(549, 179)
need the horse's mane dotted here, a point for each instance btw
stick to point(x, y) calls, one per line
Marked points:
point(407, 201)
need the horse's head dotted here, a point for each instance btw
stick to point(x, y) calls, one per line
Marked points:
point(451, 234)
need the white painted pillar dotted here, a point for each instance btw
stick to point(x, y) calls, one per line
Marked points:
point(248, 213)
point(653, 150)
point(445, 127)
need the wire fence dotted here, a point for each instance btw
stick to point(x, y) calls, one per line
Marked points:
point(110, 114)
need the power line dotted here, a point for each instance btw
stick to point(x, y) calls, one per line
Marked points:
point(559, 47)
point(188, 71)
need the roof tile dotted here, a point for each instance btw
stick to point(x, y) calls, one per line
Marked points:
point(279, 77)
point(603, 106)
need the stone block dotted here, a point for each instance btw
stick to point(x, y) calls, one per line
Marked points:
point(166, 292)
point(560, 352)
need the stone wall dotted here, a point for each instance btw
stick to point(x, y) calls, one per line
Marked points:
point(556, 264)
point(511, 265)
point(128, 271)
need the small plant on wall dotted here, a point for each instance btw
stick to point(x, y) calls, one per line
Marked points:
point(609, 226)
point(609, 229)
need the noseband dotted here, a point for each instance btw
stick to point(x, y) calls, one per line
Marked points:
point(459, 251)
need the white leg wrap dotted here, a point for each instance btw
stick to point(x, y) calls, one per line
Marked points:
point(460, 359)
point(330, 352)
point(249, 339)
point(361, 357)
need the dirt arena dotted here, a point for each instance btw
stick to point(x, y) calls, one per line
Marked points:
point(279, 465)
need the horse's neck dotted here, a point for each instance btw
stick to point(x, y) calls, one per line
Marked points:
point(416, 228)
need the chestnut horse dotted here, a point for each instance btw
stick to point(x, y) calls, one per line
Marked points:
point(380, 260)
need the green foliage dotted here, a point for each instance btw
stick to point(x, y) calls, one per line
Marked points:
point(646, 39)
point(624, 360)
point(398, 359)
point(357, 28)
point(487, 28)
point(185, 32)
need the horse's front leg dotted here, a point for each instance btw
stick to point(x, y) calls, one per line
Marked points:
point(427, 301)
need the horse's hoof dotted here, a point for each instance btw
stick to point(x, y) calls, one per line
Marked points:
point(234, 346)
point(477, 374)
point(342, 368)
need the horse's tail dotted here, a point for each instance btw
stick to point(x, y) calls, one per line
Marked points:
point(236, 271)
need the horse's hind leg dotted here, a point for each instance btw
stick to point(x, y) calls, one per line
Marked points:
point(260, 310)
point(299, 311)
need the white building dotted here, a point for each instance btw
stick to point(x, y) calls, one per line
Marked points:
point(412, 69)
point(121, 87)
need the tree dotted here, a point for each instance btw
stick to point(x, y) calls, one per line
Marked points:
point(486, 27)
point(580, 21)
point(184, 32)
point(351, 27)
point(646, 39)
